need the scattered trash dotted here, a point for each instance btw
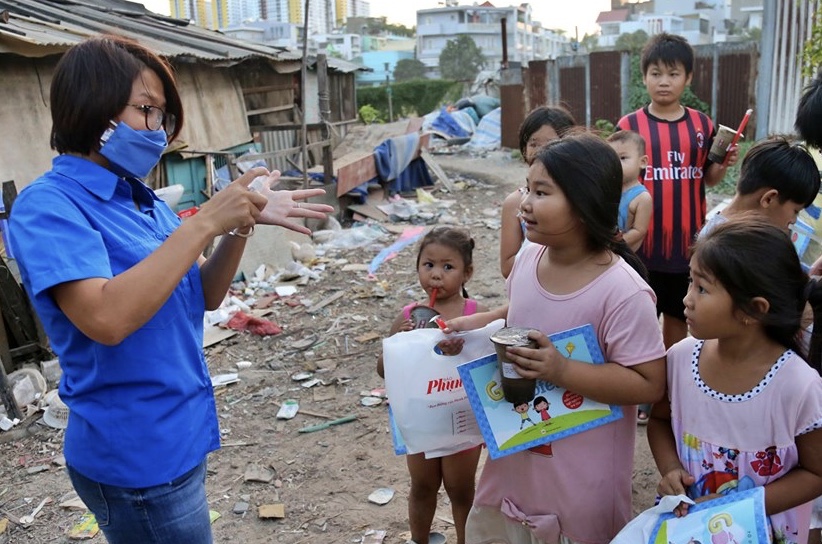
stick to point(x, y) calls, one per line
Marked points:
point(381, 496)
point(241, 365)
point(288, 410)
point(4, 524)
point(311, 383)
point(221, 380)
point(328, 424)
point(240, 507)
point(51, 372)
point(256, 473)
point(27, 385)
point(37, 469)
point(285, 290)
point(371, 401)
point(29, 518)
point(56, 415)
point(72, 500)
point(6, 424)
point(373, 536)
point(214, 515)
point(302, 376)
point(260, 326)
point(84, 529)
point(271, 511)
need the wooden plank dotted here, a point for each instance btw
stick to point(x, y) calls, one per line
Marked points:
point(12, 409)
point(270, 109)
point(355, 173)
point(438, 171)
point(369, 210)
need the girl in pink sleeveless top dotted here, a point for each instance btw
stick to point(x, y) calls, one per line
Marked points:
point(444, 265)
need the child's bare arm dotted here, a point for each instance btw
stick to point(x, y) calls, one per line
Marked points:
point(804, 482)
point(476, 321)
point(675, 479)
point(642, 219)
point(510, 237)
point(400, 324)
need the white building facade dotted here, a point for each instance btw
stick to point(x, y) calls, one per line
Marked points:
point(526, 38)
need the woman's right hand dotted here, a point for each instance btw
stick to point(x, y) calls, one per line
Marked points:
point(235, 206)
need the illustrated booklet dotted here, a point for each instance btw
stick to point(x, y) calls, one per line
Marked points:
point(554, 413)
point(734, 518)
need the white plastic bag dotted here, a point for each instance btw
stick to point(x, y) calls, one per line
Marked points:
point(429, 403)
point(639, 529)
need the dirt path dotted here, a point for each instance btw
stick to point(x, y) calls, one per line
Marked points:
point(322, 478)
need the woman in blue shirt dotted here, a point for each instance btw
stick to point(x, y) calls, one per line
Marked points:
point(121, 286)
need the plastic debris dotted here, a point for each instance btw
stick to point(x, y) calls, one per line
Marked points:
point(241, 321)
point(381, 496)
point(288, 409)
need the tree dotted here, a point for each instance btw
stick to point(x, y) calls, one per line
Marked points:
point(461, 59)
point(812, 52)
point(589, 42)
point(409, 69)
point(633, 42)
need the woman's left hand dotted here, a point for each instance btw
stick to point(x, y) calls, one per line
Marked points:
point(282, 205)
point(543, 363)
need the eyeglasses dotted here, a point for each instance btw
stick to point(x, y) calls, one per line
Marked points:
point(156, 118)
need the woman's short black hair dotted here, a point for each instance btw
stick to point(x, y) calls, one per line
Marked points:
point(92, 84)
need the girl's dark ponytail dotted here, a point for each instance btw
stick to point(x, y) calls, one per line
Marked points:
point(813, 294)
point(621, 248)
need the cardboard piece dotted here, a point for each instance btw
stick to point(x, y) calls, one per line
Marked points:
point(271, 511)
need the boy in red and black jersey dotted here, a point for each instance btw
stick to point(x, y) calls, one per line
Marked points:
point(677, 139)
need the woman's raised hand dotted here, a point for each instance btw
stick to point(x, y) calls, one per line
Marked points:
point(281, 205)
point(235, 207)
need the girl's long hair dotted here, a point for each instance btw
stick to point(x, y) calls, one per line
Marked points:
point(752, 258)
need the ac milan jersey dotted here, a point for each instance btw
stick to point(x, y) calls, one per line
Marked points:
point(677, 160)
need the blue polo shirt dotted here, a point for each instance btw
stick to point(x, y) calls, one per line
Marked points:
point(142, 413)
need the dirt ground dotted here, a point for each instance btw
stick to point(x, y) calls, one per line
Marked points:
point(322, 479)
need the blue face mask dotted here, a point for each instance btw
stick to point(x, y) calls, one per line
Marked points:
point(132, 153)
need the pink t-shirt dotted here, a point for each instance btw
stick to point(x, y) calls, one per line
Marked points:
point(735, 442)
point(583, 492)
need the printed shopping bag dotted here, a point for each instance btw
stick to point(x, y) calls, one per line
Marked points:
point(428, 401)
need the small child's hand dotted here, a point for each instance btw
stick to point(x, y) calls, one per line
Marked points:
point(406, 325)
point(462, 323)
point(675, 482)
point(451, 346)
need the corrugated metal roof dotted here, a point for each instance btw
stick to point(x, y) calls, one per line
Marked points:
point(37, 28)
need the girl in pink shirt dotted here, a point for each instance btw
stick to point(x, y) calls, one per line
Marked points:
point(744, 408)
point(577, 271)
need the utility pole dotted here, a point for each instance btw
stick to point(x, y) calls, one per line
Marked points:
point(388, 90)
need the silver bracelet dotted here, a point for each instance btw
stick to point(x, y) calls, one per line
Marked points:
point(238, 234)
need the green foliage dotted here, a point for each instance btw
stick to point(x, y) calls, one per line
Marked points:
point(407, 69)
point(633, 42)
point(416, 97)
point(604, 127)
point(461, 59)
point(638, 95)
point(589, 42)
point(369, 114)
point(812, 52)
point(727, 186)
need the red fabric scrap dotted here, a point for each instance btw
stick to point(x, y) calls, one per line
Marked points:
point(241, 321)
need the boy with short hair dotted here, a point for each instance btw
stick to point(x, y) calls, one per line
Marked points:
point(777, 179)
point(635, 205)
point(678, 140)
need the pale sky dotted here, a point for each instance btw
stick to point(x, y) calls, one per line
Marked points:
point(551, 13)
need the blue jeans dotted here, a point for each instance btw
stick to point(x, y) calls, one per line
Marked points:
point(165, 514)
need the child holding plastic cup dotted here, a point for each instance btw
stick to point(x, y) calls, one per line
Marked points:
point(444, 265)
point(576, 271)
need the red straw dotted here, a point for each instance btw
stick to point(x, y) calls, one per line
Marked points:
point(738, 134)
point(433, 297)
